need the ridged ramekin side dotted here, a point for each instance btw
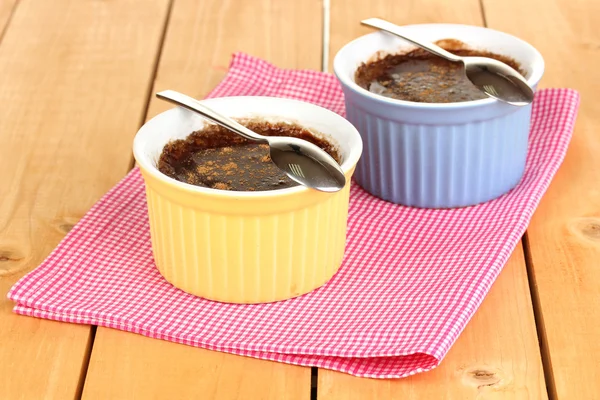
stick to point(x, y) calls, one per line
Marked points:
point(246, 258)
point(440, 165)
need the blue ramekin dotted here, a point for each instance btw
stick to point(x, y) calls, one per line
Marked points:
point(437, 155)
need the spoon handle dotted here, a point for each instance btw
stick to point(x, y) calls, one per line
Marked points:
point(396, 30)
point(210, 114)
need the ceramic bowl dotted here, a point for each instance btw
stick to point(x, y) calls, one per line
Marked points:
point(438, 155)
point(246, 247)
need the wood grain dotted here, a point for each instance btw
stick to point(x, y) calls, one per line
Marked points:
point(564, 236)
point(73, 75)
point(200, 40)
point(129, 366)
point(497, 355)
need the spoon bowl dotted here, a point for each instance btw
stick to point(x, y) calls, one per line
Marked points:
point(302, 161)
point(294, 156)
point(494, 78)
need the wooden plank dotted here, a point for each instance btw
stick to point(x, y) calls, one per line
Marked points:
point(497, 355)
point(74, 75)
point(564, 236)
point(129, 366)
point(200, 40)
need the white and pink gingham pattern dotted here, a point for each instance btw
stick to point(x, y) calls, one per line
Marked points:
point(410, 281)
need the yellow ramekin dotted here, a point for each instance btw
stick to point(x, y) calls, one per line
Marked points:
point(246, 247)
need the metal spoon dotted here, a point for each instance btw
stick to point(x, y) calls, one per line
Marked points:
point(492, 77)
point(302, 161)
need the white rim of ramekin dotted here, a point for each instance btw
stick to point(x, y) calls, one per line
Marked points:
point(537, 68)
point(348, 163)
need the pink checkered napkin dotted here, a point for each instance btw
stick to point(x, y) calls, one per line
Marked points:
point(410, 281)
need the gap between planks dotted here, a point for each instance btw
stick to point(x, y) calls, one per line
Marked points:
point(314, 381)
point(8, 20)
point(326, 32)
point(539, 321)
point(86, 362)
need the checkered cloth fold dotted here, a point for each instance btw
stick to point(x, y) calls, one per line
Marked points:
point(410, 281)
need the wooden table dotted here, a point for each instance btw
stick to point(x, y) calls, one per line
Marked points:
point(76, 82)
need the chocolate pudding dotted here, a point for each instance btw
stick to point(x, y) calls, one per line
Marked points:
point(216, 158)
point(422, 77)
